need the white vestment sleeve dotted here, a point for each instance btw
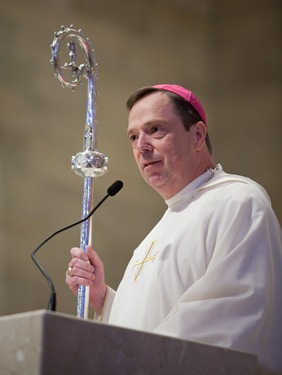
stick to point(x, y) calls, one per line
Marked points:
point(235, 303)
point(104, 316)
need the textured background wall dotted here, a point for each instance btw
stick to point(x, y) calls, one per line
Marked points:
point(229, 53)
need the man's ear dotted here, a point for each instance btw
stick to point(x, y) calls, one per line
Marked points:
point(200, 131)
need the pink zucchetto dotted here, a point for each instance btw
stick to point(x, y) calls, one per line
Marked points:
point(188, 95)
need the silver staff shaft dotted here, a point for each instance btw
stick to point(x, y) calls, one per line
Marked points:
point(85, 239)
point(89, 163)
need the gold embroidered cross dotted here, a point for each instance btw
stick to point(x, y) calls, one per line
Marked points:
point(147, 258)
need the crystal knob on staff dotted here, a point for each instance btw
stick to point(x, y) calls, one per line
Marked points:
point(89, 163)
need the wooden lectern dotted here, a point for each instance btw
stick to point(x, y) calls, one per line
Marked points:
point(48, 343)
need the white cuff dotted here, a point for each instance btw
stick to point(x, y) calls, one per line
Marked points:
point(106, 310)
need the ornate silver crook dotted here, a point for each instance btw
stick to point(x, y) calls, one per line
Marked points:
point(89, 163)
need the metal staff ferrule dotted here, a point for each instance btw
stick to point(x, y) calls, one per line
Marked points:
point(89, 163)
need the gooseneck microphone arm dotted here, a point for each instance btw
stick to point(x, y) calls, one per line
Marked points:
point(111, 191)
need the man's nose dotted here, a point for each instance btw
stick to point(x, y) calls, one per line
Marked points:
point(144, 143)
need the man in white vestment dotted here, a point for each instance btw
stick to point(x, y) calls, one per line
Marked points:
point(211, 269)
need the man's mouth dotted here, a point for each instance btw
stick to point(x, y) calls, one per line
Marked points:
point(149, 164)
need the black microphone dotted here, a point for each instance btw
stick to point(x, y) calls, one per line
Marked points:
point(111, 191)
point(115, 188)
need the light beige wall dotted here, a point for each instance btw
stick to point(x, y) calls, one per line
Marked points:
point(248, 98)
point(229, 55)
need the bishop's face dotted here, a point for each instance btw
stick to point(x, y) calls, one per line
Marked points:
point(164, 151)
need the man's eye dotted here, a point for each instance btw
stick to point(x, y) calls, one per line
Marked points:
point(133, 137)
point(155, 129)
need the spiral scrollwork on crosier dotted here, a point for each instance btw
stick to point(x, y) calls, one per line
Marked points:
point(86, 69)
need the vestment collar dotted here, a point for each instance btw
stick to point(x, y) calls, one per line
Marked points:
point(189, 190)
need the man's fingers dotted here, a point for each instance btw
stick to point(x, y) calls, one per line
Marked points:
point(93, 257)
point(81, 278)
point(76, 252)
point(81, 264)
point(80, 272)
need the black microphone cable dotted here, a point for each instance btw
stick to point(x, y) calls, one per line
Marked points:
point(111, 191)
